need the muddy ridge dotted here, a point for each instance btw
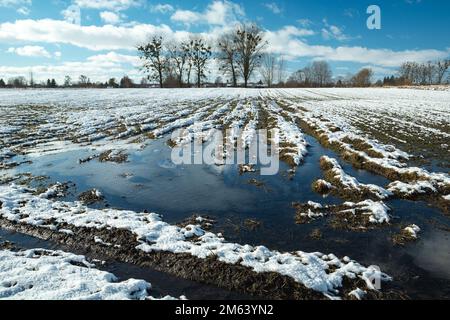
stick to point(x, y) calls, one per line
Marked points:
point(210, 271)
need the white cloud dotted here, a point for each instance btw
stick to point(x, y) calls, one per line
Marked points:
point(97, 68)
point(115, 58)
point(272, 6)
point(304, 22)
point(22, 6)
point(287, 41)
point(72, 14)
point(334, 32)
point(110, 17)
point(24, 11)
point(219, 12)
point(162, 8)
point(113, 5)
point(30, 51)
point(107, 37)
point(14, 3)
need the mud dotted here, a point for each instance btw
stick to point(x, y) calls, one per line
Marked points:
point(91, 197)
point(272, 286)
point(110, 156)
point(403, 238)
point(209, 271)
point(343, 216)
point(359, 161)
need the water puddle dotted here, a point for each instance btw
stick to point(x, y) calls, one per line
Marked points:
point(150, 181)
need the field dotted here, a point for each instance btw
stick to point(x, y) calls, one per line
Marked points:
point(359, 208)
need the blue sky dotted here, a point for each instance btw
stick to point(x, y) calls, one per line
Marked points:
point(54, 38)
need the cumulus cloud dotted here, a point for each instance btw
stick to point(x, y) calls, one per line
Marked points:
point(162, 8)
point(22, 6)
point(112, 5)
point(216, 13)
point(14, 3)
point(97, 67)
point(110, 17)
point(285, 42)
point(72, 14)
point(334, 32)
point(24, 11)
point(272, 6)
point(288, 41)
point(30, 51)
point(107, 37)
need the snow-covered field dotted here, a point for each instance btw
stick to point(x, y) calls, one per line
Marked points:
point(55, 275)
point(368, 128)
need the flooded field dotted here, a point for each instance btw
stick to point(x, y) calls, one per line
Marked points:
point(355, 211)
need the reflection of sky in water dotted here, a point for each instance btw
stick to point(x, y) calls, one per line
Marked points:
point(433, 253)
point(149, 181)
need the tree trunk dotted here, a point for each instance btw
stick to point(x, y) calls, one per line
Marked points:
point(234, 76)
point(161, 85)
point(189, 77)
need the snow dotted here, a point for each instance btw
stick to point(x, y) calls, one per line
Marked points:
point(288, 133)
point(352, 183)
point(315, 205)
point(408, 189)
point(377, 211)
point(310, 269)
point(40, 274)
point(413, 230)
point(391, 155)
point(358, 293)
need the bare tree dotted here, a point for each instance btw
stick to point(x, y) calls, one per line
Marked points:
point(363, 78)
point(67, 81)
point(441, 68)
point(17, 82)
point(281, 70)
point(268, 66)
point(83, 81)
point(179, 56)
point(321, 73)
point(154, 60)
point(227, 56)
point(249, 44)
point(200, 52)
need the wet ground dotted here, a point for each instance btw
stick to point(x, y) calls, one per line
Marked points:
point(149, 181)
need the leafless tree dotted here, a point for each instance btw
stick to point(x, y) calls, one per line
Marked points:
point(249, 44)
point(200, 53)
point(441, 68)
point(227, 55)
point(268, 67)
point(363, 78)
point(154, 60)
point(179, 56)
point(320, 73)
point(281, 70)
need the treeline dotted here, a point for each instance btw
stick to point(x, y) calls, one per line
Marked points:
point(413, 73)
point(171, 63)
point(319, 74)
point(82, 82)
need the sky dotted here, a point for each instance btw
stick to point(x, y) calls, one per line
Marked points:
point(97, 38)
